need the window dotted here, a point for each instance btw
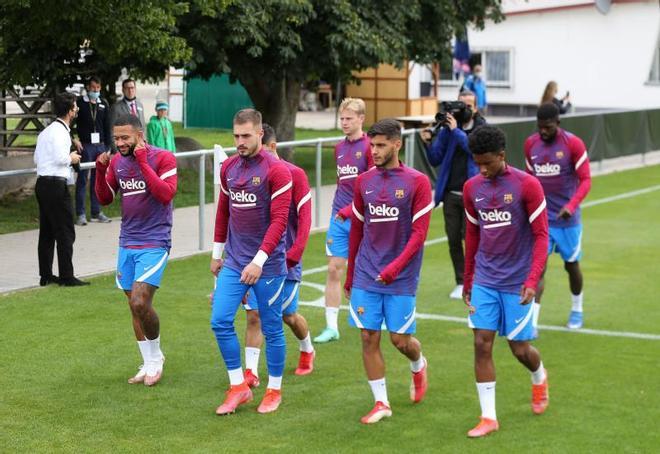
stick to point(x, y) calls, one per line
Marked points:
point(496, 65)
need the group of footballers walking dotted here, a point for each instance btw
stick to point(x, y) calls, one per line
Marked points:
point(380, 218)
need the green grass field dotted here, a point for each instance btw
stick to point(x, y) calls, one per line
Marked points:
point(66, 355)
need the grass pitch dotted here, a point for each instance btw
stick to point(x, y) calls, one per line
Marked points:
point(66, 355)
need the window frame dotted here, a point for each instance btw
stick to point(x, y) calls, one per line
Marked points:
point(483, 51)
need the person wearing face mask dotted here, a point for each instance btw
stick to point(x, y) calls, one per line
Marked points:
point(129, 104)
point(94, 137)
point(477, 85)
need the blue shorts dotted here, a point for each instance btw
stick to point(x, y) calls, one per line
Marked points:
point(336, 240)
point(368, 309)
point(290, 293)
point(140, 265)
point(502, 312)
point(567, 241)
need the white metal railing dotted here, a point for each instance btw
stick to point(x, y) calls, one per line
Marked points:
point(408, 135)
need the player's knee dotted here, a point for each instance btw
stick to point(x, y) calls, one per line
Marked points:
point(519, 350)
point(482, 346)
point(139, 304)
point(400, 341)
point(289, 319)
point(253, 319)
point(572, 267)
point(370, 339)
point(221, 326)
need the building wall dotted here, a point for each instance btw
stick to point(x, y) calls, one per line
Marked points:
point(604, 60)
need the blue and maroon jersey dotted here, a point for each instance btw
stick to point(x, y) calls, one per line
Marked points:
point(562, 167)
point(253, 210)
point(300, 221)
point(353, 157)
point(391, 216)
point(147, 182)
point(506, 236)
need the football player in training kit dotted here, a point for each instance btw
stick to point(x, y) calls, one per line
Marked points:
point(353, 157)
point(560, 162)
point(297, 234)
point(251, 220)
point(392, 207)
point(506, 245)
point(147, 180)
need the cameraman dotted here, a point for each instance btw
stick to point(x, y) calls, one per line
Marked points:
point(449, 150)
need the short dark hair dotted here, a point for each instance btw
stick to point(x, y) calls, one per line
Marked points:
point(126, 81)
point(388, 127)
point(128, 119)
point(269, 134)
point(63, 103)
point(91, 79)
point(548, 111)
point(487, 139)
point(248, 116)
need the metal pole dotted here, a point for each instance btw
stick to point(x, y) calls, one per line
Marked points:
point(202, 199)
point(317, 193)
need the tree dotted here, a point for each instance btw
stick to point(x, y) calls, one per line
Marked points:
point(273, 47)
point(57, 43)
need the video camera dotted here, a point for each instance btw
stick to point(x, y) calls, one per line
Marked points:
point(458, 109)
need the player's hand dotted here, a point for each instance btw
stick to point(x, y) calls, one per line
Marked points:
point(426, 135)
point(339, 217)
point(467, 299)
point(347, 293)
point(103, 159)
point(75, 157)
point(290, 263)
point(380, 280)
point(564, 213)
point(451, 122)
point(251, 274)
point(216, 266)
point(527, 295)
point(78, 145)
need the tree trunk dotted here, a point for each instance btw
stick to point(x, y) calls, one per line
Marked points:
point(277, 100)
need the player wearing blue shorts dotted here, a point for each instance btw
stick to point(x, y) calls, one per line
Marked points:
point(392, 207)
point(146, 178)
point(353, 157)
point(560, 161)
point(251, 220)
point(297, 234)
point(506, 243)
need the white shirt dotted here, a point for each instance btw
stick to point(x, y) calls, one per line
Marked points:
point(52, 153)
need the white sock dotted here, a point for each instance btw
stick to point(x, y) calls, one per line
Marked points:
point(539, 376)
point(379, 390)
point(331, 316)
point(536, 308)
point(306, 344)
point(252, 359)
point(236, 377)
point(145, 350)
point(577, 302)
point(154, 349)
point(274, 382)
point(418, 365)
point(486, 392)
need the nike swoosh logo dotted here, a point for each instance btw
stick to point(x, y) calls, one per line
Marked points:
point(534, 157)
point(408, 316)
point(229, 179)
point(479, 199)
point(268, 282)
point(368, 192)
point(340, 156)
point(518, 320)
point(120, 170)
point(147, 267)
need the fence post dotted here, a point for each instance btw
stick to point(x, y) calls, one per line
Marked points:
point(202, 199)
point(317, 192)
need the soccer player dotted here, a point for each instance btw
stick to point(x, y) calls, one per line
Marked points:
point(252, 215)
point(353, 157)
point(559, 160)
point(506, 245)
point(297, 234)
point(391, 214)
point(146, 178)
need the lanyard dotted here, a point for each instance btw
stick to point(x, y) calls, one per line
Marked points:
point(93, 109)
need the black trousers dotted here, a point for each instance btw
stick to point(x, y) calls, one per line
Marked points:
point(55, 226)
point(454, 214)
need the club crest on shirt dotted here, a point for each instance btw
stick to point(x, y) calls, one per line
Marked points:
point(358, 155)
point(256, 181)
point(559, 154)
point(398, 193)
point(360, 310)
point(508, 198)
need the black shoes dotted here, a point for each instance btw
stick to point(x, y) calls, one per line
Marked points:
point(45, 280)
point(72, 282)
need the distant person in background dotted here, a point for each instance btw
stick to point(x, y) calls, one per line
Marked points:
point(53, 158)
point(129, 104)
point(477, 85)
point(550, 95)
point(159, 130)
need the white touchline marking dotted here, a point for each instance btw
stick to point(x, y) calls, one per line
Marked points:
point(625, 195)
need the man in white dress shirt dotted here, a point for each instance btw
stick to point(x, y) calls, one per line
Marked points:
point(54, 158)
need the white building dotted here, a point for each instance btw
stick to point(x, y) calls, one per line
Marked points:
point(606, 59)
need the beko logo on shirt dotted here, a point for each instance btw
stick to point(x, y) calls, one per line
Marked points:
point(499, 218)
point(547, 169)
point(384, 212)
point(243, 199)
point(133, 185)
point(347, 171)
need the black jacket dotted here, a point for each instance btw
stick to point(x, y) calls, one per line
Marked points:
point(85, 124)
